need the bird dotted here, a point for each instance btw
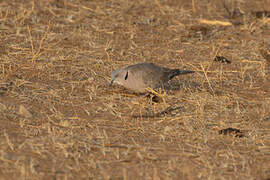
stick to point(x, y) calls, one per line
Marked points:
point(139, 77)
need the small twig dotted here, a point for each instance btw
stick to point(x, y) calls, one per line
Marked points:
point(206, 76)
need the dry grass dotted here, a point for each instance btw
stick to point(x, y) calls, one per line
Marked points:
point(61, 120)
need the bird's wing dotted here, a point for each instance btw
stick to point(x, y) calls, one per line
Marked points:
point(152, 75)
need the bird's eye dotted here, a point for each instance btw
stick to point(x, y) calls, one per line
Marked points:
point(126, 76)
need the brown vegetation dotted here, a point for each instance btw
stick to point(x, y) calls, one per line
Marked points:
point(59, 119)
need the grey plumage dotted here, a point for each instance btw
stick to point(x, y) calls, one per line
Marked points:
point(138, 77)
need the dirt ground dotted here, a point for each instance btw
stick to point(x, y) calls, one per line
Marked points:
point(59, 119)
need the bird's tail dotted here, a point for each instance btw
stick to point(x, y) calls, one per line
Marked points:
point(176, 72)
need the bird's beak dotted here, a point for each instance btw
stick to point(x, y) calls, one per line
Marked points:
point(111, 83)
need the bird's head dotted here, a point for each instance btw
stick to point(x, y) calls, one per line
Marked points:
point(119, 76)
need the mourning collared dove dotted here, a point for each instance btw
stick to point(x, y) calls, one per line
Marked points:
point(140, 76)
